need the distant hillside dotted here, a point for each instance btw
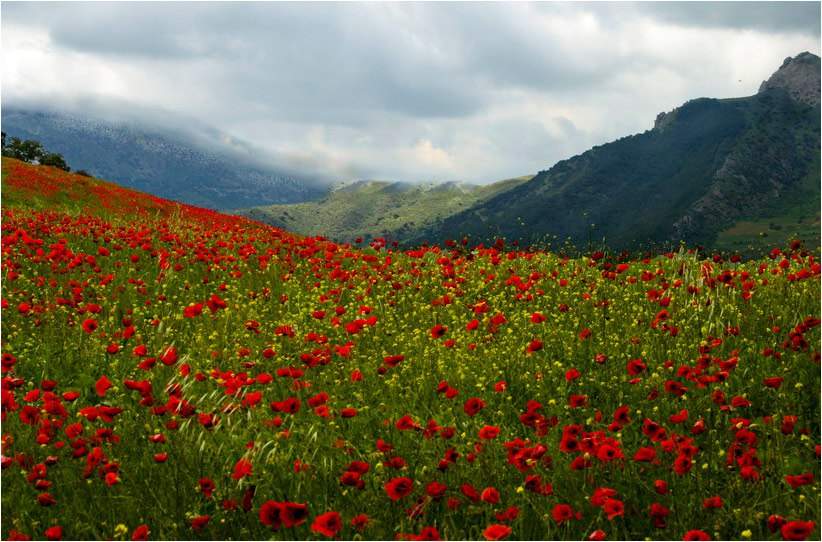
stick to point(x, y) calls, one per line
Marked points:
point(733, 173)
point(159, 162)
point(371, 209)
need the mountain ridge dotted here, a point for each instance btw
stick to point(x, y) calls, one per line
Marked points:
point(703, 166)
point(162, 162)
point(368, 209)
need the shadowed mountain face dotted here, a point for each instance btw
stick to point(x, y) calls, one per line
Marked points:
point(703, 170)
point(162, 163)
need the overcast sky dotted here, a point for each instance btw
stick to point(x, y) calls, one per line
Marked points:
point(415, 92)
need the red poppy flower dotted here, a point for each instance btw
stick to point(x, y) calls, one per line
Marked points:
point(102, 385)
point(799, 480)
point(438, 331)
point(658, 514)
point(797, 530)
point(141, 532)
point(198, 523)
point(509, 514)
point(293, 514)
point(207, 487)
point(435, 489)
point(613, 508)
point(360, 521)
point(773, 382)
point(397, 488)
point(490, 495)
point(89, 325)
point(534, 346)
point(696, 535)
point(775, 522)
point(602, 494)
point(271, 514)
point(473, 405)
point(563, 512)
point(496, 532)
point(636, 367)
point(712, 502)
point(645, 454)
point(195, 309)
point(242, 469)
point(682, 464)
point(169, 356)
point(46, 499)
point(577, 401)
point(328, 524)
point(469, 491)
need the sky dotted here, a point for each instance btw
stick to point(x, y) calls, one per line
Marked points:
point(408, 91)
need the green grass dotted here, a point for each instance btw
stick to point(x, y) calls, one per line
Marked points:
point(331, 311)
point(372, 209)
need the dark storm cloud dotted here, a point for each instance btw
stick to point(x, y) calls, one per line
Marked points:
point(767, 16)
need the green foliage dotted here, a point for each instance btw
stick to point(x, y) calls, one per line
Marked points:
point(709, 163)
point(100, 436)
point(55, 160)
point(370, 209)
point(32, 152)
point(26, 150)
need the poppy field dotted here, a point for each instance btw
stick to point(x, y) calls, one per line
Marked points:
point(170, 372)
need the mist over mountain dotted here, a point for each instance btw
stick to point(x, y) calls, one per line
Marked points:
point(201, 167)
point(732, 173)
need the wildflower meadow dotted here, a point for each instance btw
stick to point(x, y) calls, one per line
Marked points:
point(170, 372)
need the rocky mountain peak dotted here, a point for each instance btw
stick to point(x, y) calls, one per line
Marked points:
point(799, 76)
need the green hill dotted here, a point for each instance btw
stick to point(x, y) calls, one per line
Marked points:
point(724, 173)
point(370, 209)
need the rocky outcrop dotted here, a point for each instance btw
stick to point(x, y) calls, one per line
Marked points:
point(799, 76)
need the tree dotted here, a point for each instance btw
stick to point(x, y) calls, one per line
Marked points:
point(54, 159)
point(27, 151)
point(33, 152)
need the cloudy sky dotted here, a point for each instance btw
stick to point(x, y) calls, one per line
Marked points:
point(416, 92)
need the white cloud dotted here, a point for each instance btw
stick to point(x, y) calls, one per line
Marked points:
point(475, 92)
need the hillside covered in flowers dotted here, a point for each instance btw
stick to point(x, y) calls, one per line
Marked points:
point(174, 373)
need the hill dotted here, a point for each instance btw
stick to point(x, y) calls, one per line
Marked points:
point(174, 373)
point(369, 209)
point(715, 172)
point(162, 162)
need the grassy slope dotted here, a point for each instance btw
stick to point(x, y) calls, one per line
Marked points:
point(376, 208)
point(636, 189)
point(795, 215)
point(153, 269)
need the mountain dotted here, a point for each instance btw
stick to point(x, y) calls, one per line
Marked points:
point(728, 173)
point(165, 163)
point(371, 209)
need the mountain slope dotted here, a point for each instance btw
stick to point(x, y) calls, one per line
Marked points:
point(370, 209)
point(702, 169)
point(159, 162)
